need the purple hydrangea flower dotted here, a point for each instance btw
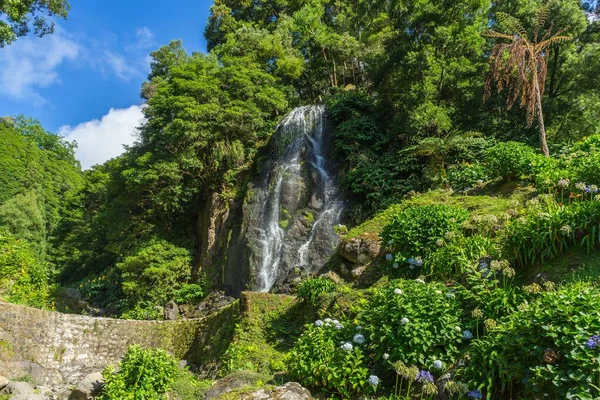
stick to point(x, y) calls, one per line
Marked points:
point(593, 342)
point(474, 394)
point(425, 376)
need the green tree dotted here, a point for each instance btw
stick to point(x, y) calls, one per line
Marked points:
point(19, 17)
point(155, 272)
point(521, 65)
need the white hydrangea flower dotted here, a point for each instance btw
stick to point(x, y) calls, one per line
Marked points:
point(358, 338)
point(386, 356)
point(397, 291)
point(347, 347)
point(437, 364)
point(404, 321)
point(318, 323)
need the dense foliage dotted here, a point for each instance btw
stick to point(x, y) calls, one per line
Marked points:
point(20, 16)
point(144, 374)
point(473, 210)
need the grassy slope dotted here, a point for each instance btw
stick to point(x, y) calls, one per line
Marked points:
point(491, 201)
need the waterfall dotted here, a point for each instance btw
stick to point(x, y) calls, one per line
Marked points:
point(300, 202)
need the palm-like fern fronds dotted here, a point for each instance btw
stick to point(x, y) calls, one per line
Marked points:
point(520, 64)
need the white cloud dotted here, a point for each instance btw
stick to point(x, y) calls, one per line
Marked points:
point(144, 39)
point(31, 63)
point(101, 140)
point(121, 67)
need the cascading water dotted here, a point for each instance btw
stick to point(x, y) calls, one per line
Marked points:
point(298, 202)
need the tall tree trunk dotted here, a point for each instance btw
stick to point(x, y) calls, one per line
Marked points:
point(540, 117)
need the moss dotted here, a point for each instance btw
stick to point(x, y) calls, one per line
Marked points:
point(6, 350)
point(268, 327)
point(187, 386)
point(309, 217)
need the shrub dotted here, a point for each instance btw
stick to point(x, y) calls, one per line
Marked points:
point(145, 374)
point(311, 290)
point(413, 232)
point(326, 356)
point(511, 160)
point(545, 349)
point(463, 176)
point(414, 322)
point(189, 293)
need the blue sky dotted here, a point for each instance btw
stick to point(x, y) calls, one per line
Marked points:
point(83, 81)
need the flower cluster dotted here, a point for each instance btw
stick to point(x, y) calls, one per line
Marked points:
point(467, 335)
point(347, 347)
point(415, 262)
point(373, 380)
point(425, 376)
point(358, 338)
point(563, 183)
point(593, 342)
point(475, 394)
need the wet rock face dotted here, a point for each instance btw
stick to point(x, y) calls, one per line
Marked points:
point(291, 208)
point(360, 250)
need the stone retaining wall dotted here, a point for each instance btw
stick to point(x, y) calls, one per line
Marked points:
point(73, 345)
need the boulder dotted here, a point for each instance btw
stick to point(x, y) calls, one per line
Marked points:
point(289, 391)
point(88, 387)
point(32, 369)
point(237, 380)
point(360, 250)
point(171, 311)
point(213, 303)
point(3, 382)
point(18, 388)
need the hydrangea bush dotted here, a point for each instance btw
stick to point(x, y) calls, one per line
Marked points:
point(331, 355)
point(415, 322)
point(546, 349)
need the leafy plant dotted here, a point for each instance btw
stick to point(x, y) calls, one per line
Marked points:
point(413, 232)
point(466, 175)
point(24, 279)
point(311, 290)
point(155, 272)
point(510, 160)
point(326, 356)
point(544, 349)
point(414, 322)
point(551, 229)
point(144, 374)
point(456, 254)
point(189, 293)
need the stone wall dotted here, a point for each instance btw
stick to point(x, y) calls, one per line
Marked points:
point(68, 346)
